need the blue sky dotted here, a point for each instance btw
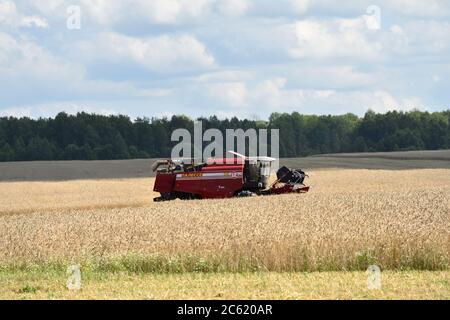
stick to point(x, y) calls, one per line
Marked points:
point(244, 58)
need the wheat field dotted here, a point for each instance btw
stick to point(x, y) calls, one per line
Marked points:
point(350, 219)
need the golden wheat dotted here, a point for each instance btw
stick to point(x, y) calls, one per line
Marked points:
point(350, 218)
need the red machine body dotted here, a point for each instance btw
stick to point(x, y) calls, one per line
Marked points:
point(212, 181)
point(220, 178)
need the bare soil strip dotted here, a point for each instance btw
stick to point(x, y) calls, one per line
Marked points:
point(120, 169)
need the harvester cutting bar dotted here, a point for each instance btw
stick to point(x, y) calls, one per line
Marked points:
point(288, 181)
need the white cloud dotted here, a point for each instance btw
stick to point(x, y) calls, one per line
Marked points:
point(52, 109)
point(12, 18)
point(360, 101)
point(418, 39)
point(51, 7)
point(334, 38)
point(162, 53)
point(233, 94)
point(34, 21)
point(105, 12)
point(234, 7)
point(334, 76)
point(345, 39)
point(164, 12)
point(20, 57)
point(19, 112)
point(109, 13)
point(177, 12)
point(272, 95)
point(420, 8)
point(102, 11)
point(29, 72)
point(172, 11)
point(223, 76)
point(300, 6)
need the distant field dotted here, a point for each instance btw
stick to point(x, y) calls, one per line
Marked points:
point(118, 169)
point(378, 160)
point(432, 155)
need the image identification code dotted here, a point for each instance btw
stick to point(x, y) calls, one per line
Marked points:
point(232, 309)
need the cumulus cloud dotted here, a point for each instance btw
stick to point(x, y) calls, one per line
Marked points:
point(163, 12)
point(333, 38)
point(106, 12)
point(273, 95)
point(234, 7)
point(32, 75)
point(429, 8)
point(222, 76)
point(19, 56)
point(161, 54)
point(300, 6)
point(233, 94)
point(10, 17)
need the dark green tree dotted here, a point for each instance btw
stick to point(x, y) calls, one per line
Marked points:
point(91, 136)
point(120, 149)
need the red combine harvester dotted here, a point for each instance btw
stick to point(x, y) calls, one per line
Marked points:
point(224, 178)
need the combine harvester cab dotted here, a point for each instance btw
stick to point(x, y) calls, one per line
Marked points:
point(224, 178)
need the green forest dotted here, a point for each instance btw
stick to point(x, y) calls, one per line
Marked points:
point(96, 137)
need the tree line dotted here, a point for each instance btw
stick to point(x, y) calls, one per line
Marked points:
point(96, 137)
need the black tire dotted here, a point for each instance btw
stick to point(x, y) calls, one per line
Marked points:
point(164, 197)
point(245, 193)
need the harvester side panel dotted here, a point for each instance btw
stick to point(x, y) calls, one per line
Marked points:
point(210, 184)
point(164, 182)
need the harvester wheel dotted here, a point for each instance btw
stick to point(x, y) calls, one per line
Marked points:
point(188, 196)
point(164, 197)
point(246, 193)
point(175, 195)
